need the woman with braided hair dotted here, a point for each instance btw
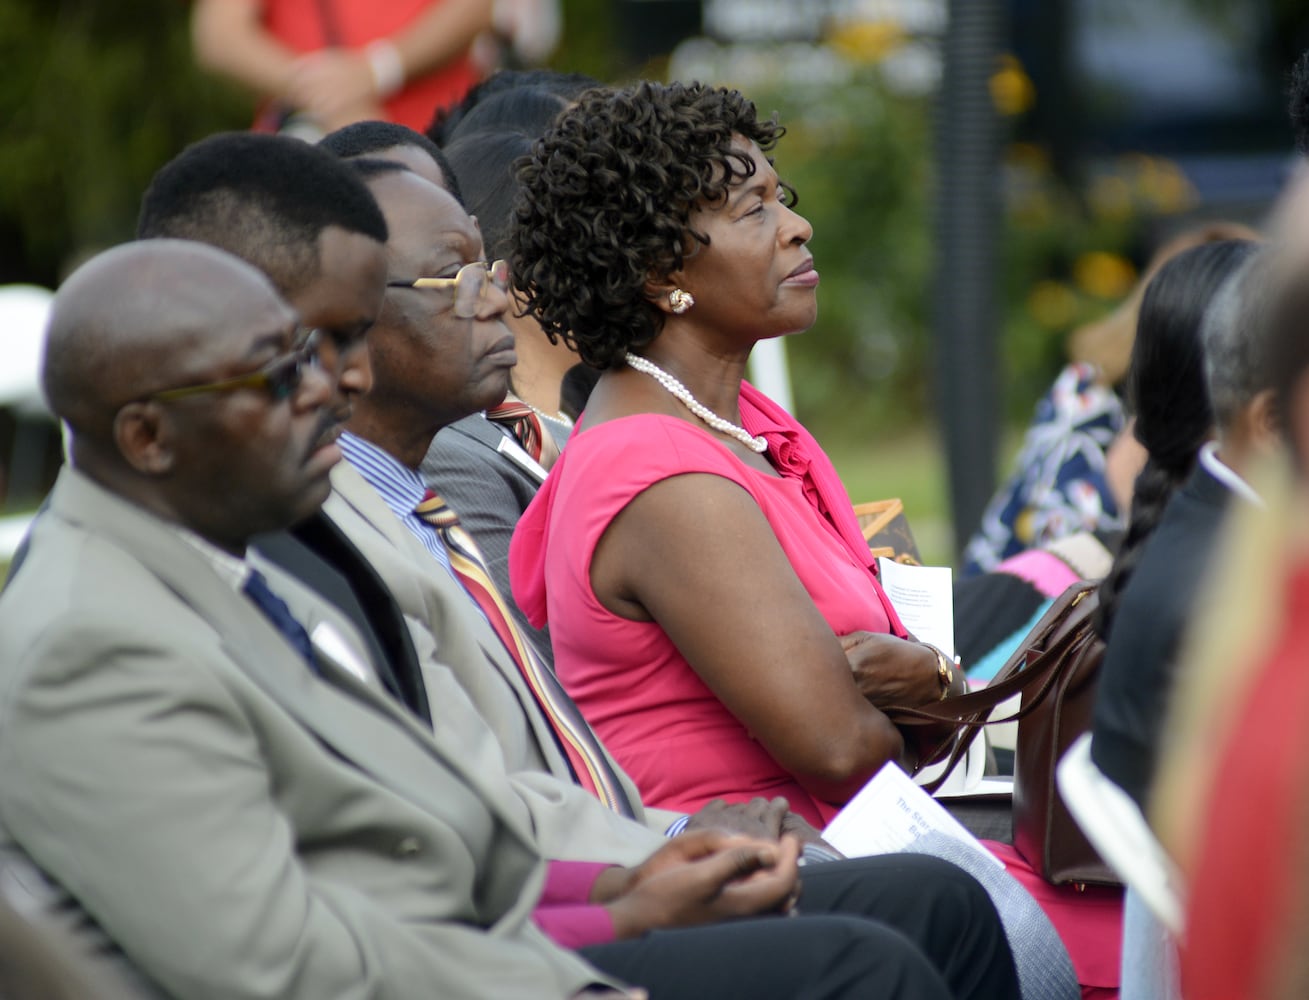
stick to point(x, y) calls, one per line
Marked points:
point(1167, 395)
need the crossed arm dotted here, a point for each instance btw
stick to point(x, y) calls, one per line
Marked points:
point(726, 594)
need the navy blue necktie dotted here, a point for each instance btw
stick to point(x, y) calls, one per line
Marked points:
point(276, 611)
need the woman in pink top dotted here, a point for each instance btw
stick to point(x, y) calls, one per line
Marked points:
point(712, 603)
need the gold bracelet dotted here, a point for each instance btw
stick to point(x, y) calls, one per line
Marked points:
point(943, 671)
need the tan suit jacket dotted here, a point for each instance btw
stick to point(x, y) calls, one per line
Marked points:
point(237, 824)
point(464, 660)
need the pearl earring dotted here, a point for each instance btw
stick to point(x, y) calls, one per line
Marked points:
point(681, 300)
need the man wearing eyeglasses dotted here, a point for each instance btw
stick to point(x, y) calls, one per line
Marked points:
point(195, 783)
point(439, 349)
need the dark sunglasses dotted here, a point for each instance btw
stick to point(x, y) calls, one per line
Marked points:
point(279, 378)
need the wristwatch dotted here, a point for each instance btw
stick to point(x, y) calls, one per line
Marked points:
point(943, 671)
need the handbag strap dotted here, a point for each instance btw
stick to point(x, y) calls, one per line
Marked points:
point(1023, 671)
point(1032, 671)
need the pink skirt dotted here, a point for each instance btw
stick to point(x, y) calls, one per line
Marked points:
point(1088, 920)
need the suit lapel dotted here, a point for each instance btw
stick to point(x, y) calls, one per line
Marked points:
point(322, 536)
point(380, 738)
point(359, 721)
point(488, 435)
point(444, 609)
point(353, 493)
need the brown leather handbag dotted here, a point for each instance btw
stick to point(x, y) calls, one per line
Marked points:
point(1056, 670)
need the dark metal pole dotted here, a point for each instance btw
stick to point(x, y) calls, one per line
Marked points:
point(968, 244)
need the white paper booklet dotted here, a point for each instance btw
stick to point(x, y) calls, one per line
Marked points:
point(923, 597)
point(889, 814)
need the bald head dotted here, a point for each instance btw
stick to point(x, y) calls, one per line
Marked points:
point(130, 321)
point(192, 390)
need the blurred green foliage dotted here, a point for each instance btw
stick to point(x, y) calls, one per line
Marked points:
point(859, 158)
point(95, 96)
point(588, 45)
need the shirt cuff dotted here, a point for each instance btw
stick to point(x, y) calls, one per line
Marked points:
point(571, 925)
point(677, 826)
point(811, 854)
point(569, 881)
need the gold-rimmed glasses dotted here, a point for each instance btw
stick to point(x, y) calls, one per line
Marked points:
point(469, 284)
point(280, 377)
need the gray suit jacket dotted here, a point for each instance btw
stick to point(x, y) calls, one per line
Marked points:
point(236, 824)
point(489, 490)
point(472, 682)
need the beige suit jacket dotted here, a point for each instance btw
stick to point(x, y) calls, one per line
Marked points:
point(238, 825)
point(461, 651)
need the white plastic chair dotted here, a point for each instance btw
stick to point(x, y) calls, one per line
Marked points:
point(24, 310)
point(1114, 825)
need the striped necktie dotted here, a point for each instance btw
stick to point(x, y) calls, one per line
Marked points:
point(525, 425)
point(578, 742)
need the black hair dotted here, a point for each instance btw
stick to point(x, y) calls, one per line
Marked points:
point(369, 167)
point(606, 202)
point(566, 85)
point(1167, 393)
point(576, 388)
point(529, 110)
point(372, 137)
point(486, 161)
point(264, 198)
point(1287, 359)
point(1297, 102)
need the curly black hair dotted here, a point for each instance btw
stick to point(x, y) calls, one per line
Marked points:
point(606, 201)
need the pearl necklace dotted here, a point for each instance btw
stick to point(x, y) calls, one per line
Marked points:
point(755, 443)
point(560, 418)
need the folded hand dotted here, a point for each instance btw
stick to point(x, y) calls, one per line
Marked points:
point(765, 819)
point(702, 877)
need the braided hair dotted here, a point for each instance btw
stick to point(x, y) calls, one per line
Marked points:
point(1166, 391)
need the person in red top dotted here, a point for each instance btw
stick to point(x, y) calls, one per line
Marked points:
point(341, 61)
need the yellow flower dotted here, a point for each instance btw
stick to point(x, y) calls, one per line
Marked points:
point(1110, 197)
point(1028, 156)
point(1012, 90)
point(1104, 275)
point(1166, 187)
point(867, 41)
point(1052, 304)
